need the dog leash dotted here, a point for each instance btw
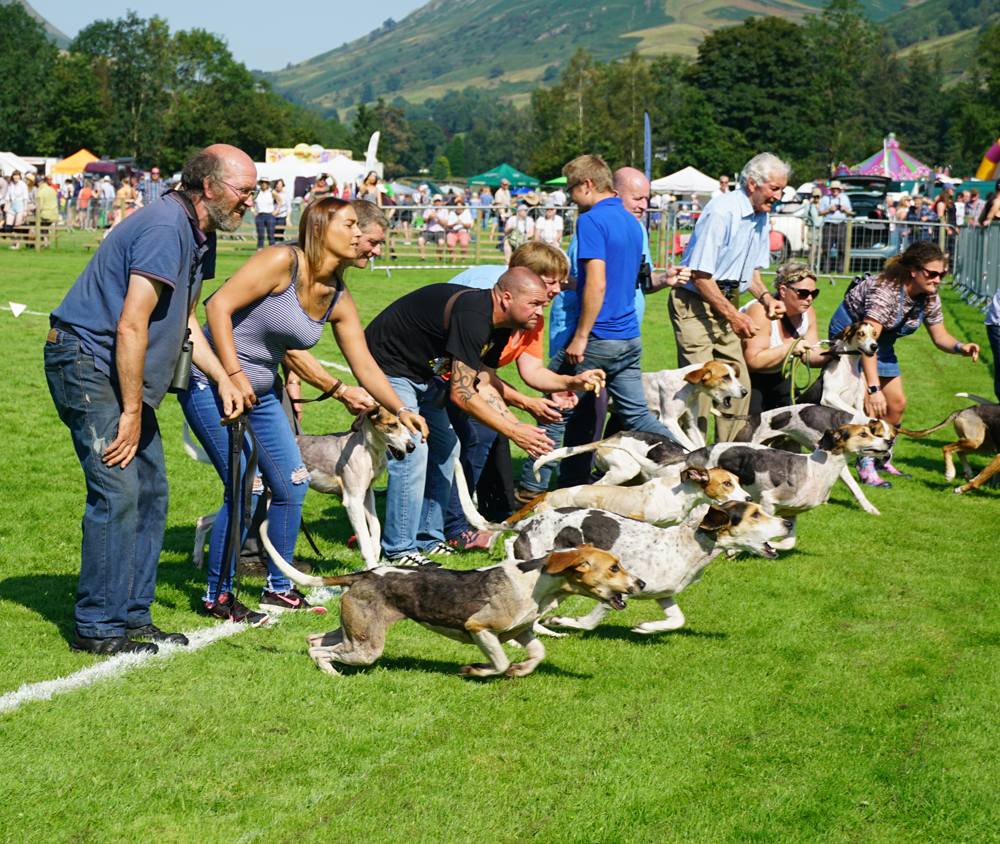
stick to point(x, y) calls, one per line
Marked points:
point(241, 489)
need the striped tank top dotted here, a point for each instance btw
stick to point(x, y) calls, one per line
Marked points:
point(264, 330)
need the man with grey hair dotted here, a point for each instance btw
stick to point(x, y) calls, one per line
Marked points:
point(728, 249)
point(374, 227)
point(110, 358)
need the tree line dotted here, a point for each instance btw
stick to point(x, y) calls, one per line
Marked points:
point(818, 93)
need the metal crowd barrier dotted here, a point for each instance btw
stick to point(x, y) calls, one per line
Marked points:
point(977, 264)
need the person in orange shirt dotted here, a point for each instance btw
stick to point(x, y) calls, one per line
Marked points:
point(485, 455)
point(82, 202)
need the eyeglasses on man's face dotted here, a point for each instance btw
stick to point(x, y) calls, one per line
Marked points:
point(243, 193)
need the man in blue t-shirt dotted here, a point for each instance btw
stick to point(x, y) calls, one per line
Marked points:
point(609, 253)
point(110, 357)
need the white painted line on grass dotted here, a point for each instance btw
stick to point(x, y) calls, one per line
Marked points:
point(334, 365)
point(114, 666)
point(22, 311)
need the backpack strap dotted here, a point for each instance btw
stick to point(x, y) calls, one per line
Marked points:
point(450, 304)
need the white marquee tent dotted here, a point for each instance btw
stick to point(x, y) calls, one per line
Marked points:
point(688, 180)
point(10, 162)
point(342, 168)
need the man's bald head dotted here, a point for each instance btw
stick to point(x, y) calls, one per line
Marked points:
point(633, 188)
point(221, 180)
point(218, 163)
point(520, 282)
point(518, 299)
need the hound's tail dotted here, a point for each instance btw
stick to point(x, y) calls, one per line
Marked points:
point(938, 427)
point(473, 515)
point(975, 398)
point(525, 511)
point(192, 449)
point(295, 575)
point(560, 453)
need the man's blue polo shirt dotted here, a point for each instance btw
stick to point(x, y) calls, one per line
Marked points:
point(609, 233)
point(161, 241)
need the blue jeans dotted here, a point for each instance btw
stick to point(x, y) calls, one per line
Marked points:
point(126, 511)
point(420, 484)
point(280, 464)
point(476, 441)
point(265, 223)
point(621, 361)
point(993, 333)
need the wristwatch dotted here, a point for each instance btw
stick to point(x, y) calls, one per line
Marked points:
point(872, 390)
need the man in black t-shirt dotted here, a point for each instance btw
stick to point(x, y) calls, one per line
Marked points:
point(411, 344)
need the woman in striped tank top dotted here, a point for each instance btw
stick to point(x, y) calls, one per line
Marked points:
point(280, 300)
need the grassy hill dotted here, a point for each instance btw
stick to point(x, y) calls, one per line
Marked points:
point(512, 46)
point(933, 20)
point(60, 39)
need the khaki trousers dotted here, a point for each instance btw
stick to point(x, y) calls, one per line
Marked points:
point(702, 335)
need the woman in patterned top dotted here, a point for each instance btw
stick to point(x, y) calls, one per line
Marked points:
point(896, 303)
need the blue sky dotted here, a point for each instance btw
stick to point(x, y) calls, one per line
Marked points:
point(265, 36)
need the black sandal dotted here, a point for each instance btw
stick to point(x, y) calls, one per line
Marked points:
point(110, 645)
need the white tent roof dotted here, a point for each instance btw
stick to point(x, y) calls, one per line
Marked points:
point(342, 168)
point(10, 162)
point(688, 180)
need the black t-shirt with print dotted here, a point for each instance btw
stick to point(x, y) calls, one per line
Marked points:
point(408, 339)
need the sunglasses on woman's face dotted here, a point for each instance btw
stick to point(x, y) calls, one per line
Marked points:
point(803, 293)
point(931, 274)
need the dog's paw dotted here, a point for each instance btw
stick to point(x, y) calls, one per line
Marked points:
point(521, 669)
point(871, 509)
point(557, 621)
point(960, 489)
point(949, 475)
point(665, 626)
point(478, 669)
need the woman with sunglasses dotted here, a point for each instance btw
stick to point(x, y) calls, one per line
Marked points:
point(765, 353)
point(896, 303)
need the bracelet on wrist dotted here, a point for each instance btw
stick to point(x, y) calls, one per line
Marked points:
point(958, 348)
point(407, 410)
point(231, 374)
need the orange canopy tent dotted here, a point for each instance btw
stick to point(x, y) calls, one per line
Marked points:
point(75, 163)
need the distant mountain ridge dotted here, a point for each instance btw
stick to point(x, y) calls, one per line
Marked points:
point(512, 46)
point(60, 39)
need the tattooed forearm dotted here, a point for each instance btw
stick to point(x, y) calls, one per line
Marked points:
point(463, 381)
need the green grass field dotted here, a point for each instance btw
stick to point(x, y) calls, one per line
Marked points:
point(844, 692)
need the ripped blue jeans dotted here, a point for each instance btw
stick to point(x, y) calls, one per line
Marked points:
point(280, 465)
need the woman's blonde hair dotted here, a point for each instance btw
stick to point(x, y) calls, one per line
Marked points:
point(541, 258)
point(791, 273)
point(315, 221)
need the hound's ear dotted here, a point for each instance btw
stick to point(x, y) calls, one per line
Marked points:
point(697, 474)
point(375, 413)
point(559, 561)
point(359, 420)
point(829, 440)
point(696, 376)
point(736, 368)
point(715, 519)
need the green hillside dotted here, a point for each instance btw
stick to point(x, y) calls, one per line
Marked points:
point(934, 19)
point(511, 46)
point(60, 39)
